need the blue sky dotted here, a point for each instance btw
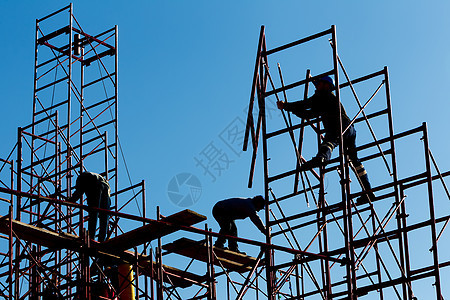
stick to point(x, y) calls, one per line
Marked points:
point(185, 71)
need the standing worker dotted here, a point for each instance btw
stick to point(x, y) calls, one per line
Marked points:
point(97, 192)
point(227, 211)
point(326, 105)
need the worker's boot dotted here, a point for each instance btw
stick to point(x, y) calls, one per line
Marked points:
point(315, 162)
point(363, 199)
point(220, 243)
point(234, 247)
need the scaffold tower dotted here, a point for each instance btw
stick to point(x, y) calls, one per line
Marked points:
point(373, 240)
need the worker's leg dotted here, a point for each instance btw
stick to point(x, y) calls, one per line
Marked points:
point(323, 155)
point(92, 221)
point(360, 171)
point(224, 224)
point(232, 244)
point(326, 148)
point(105, 203)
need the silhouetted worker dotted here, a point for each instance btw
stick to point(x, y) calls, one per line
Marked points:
point(227, 211)
point(326, 105)
point(97, 192)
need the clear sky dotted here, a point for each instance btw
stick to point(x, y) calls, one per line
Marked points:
point(185, 71)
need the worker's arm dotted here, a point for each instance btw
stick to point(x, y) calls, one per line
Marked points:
point(75, 196)
point(301, 109)
point(258, 223)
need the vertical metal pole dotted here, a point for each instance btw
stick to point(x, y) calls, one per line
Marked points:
point(249, 125)
point(34, 275)
point(80, 149)
point(377, 254)
point(116, 116)
point(11, 255)
point(18, 209)
point(160, 278)
point(135, 268)
point(401, 213)
point(209, 264)
point(144, 209)
point(405, 241)
point(152, 293)
point(297, 281)
point(347, 215)
point(69, 86)
point(105, 141)
point(262, 112)
point(432, 215)
point(228, 288)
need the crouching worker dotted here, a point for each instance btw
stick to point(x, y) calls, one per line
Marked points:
point(227, 211)
point(97, 192)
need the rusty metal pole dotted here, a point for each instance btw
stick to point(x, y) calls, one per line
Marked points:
point(160, 286)
point(11, 255)
point(344, 177)
point(401, 213)
point(116, 116)
point(432, 214)
point(18, 208)
point(406, 246)
point(262, 111)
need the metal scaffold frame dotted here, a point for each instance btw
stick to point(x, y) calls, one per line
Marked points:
point(339, 249)
point(384, 240)
point(74, 128)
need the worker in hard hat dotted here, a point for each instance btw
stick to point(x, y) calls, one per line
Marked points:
point(97, 192)
point(326, 105)
point(227, 211)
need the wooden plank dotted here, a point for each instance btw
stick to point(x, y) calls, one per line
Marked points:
point(40, 236)
point(173, 276)
point(197, 249)
point(153, 230)
point(53, 240)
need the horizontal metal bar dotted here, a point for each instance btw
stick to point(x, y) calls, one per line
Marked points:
point(52, 14)
point(99, 103)
point(140, 184)
point(298, 42)
point(38, 137)
point(88, 61)
point(50, 60)
point(98, 150)
point(98, 80)
point(65, 78)
point(99, 126)
point(294, 127)
point(63, 30)
point(94, 38)
point(51, 107)
point(364, 78)
point(296, 84)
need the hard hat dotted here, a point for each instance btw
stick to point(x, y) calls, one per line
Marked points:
point(325, 79)
point(259, 199)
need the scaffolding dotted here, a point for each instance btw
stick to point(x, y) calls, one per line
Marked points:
point(373, 240)
point(338, 249)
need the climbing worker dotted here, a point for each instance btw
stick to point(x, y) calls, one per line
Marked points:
point(97, 192)
point(326, 105)
point(227, 211)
